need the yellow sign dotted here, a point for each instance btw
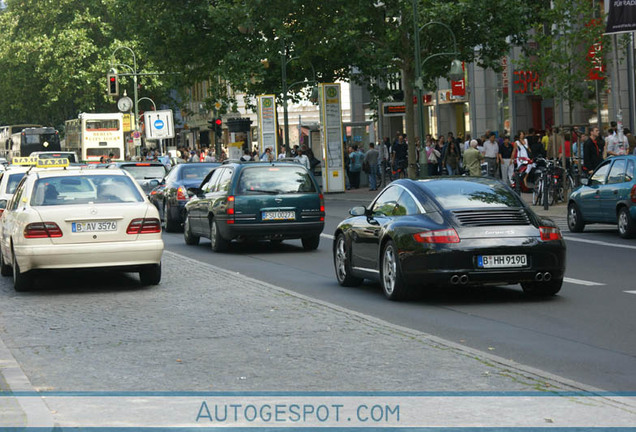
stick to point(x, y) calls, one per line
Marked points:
point(24, 160)
point(52, 163)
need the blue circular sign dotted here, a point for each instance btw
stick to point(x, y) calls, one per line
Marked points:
point(159, 124)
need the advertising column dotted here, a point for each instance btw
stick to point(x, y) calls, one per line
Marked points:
point(333, 179)
point(267, 136)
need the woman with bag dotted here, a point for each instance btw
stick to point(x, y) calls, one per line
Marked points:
point(432, 155)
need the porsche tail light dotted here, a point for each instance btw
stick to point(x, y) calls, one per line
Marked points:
point(144, 226)
point(632, 194)
point(230, 209)
point(550, 233)
point(182, 194)
point(42, 230)
point(437, 236)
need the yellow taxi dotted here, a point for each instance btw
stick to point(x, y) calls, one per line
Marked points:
point(61, 218)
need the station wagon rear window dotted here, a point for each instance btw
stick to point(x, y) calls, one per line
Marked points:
point(275, 180)
point(71, 190)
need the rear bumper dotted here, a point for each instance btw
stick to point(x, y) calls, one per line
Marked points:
point(89, 255)
point(278, 230)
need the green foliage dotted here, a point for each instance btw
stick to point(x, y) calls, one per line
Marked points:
point(563, 35)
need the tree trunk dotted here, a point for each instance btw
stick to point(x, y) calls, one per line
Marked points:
point(409, 111)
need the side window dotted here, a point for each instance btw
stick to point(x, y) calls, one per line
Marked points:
point(17, 196)
point(629, 173)
point(214, 178)
point(386, 203)
point(225, 180)
point(617, 173)
point(599, 176)
point(407, 205)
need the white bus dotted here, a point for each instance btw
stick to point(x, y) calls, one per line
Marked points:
point(95, 136)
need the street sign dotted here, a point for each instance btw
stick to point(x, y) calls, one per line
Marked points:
point(159, 124)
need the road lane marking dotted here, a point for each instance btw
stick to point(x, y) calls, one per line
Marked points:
point(597, 242)
point(329, 236)
point(630, 292)
point(581, 282)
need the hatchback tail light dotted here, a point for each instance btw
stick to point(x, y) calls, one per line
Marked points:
point(182, 194)
point(632, 194)
point(42, 230)
point(437, 236)
point(144, 226)
point(230, 209)
point(550, 233)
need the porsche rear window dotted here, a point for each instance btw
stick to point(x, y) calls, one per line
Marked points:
point(70, 190)
point(472, 194)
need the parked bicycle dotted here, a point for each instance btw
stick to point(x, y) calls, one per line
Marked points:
point(549, 187)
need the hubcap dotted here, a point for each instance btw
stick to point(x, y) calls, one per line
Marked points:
point(213, 233)
point(572, 217)
point(389, 270)
point(622, 222)
point(341, 257)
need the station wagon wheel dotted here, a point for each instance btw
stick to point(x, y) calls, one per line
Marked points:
point(218, 243)
point(21, 281)
point(311, 243)
point(391, 279)
point(626, 226)
point(190, 239)
point(575, 219)
point(342, 264)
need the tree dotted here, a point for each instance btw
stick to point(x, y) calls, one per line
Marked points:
point(565, 36)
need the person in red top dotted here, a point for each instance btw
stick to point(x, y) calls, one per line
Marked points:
point(592, 152)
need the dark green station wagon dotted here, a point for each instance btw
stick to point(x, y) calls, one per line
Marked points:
point(256, 201)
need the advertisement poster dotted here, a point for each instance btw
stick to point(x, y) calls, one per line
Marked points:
point(331, 135)
point(267, 124)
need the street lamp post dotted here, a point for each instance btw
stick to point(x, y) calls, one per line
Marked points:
point(134, 75)
point(456, 70)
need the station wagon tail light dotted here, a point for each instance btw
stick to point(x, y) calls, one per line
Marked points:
point(437, 236)
point(42, 230)
point(182, 194)
point(322, 207)
point(550, 233)
point(230, 208)
point(144, 226)
point(632, 194)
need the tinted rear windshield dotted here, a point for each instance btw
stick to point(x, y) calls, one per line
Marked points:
point(195, 171)
point(275, 180)
point(141, 172)
point(472, 194)
point(69, 190)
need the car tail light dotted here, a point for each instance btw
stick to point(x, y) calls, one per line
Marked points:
point(230, 209)
point(438, 236)
point(42, 230)
point(144, 226)
point(322, 207)
point(550, 233)
point(182, 194)
point(632, 194)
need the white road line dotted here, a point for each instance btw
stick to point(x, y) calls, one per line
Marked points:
point(596, 242)
point(581, 282)
point(329, 236)
point(630, 292)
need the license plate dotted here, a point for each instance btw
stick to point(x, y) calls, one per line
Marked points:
point(278, 215)
point(80, 227)
point(501, 261)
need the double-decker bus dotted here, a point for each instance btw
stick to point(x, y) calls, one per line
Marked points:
point(6, 138)
point(93, 136)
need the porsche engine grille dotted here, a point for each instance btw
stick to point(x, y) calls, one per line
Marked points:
point(498, 217)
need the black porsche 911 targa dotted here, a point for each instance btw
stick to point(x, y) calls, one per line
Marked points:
point(449, 231)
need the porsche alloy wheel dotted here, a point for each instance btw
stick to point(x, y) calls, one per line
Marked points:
point(342, 265)
point(390, 275)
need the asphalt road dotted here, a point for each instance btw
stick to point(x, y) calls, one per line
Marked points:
point(587, 333)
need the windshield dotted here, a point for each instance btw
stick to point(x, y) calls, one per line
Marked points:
point(275, 180)
point(195, 171)
point(71, 190)
point(141, 172)
point(472, 194)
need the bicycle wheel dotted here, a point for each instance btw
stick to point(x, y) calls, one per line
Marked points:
point(545, 193)
point(536, 192)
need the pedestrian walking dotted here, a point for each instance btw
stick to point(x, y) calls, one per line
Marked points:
point(451, 160)
point(371, 161)
point(491, 152)
point(472, 159)
point(505, 161)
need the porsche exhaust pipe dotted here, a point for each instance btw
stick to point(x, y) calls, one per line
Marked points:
point(538, 277)
point(454, 279)
point(547, 277)
point(463, 279)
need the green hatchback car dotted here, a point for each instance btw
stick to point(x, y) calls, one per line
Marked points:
point(256, 201)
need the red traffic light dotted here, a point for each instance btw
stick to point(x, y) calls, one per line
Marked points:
point(218, 122)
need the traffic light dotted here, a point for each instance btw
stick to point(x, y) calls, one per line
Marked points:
point(113, 84)
point(218, 127)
